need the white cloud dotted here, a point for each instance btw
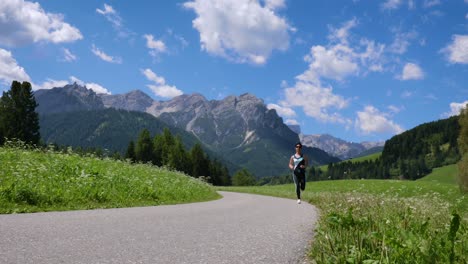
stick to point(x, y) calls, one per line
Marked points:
point(455, 109)
point(51, 83)
point(160, 88)
point(114, 18)
point(336, 62)
point(274, 4)
point(402, 41)
point(240, 30)
point(371, 120)
point(291, 122)
point(103, 56)
point(411, 71)
point(10, 70)
point(339, 59)
point(391, 4)
point(431, 3)
point(23, 22)
point(457, 51)
point(395, 4)
point(68, 56)
point(315, 100)
point(155, 46)
point(395, 109)
point(341, 34)
point(406, 94)
point(282, 110)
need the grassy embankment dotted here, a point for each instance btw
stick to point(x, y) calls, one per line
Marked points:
point(385, 221)
point(38, 180)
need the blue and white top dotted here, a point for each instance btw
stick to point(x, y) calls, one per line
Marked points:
point(298, 160)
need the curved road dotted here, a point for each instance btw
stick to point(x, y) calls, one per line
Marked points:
point(239, 228)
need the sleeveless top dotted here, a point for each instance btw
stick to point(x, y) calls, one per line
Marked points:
point(298, 161)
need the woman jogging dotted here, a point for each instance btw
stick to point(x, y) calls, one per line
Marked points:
point(298, 163)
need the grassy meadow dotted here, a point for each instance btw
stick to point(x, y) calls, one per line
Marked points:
point(43, 180)
point(385, 221)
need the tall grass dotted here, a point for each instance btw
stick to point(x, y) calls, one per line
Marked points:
point(34, 180)
point(384, 221)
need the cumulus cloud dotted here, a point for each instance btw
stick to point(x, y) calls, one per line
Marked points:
point(244, 31)
point(160, 88)
point(457, 50)
point(68, 56)
point(282, 110)
point(340, 58)
point(103, 56)
point(371, 120)
point(411, 71)
point(155, 46)
point(315, 100)
point(10, 70)
point(455, 109)
point(51, 83)
point(23, 22)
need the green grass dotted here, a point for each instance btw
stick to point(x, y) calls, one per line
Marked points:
point(446, 174)
point(371, 157)
point(35, 180)
point(383, 221)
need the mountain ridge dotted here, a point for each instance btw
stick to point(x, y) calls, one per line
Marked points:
point(241, 129)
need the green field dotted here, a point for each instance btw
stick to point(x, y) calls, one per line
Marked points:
point(42, 180)
point(385, 221)
point(370, 157)
point(446, 174)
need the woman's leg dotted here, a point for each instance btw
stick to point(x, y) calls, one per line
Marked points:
point(297, 183)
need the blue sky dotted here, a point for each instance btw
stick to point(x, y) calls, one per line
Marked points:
point(358, 70)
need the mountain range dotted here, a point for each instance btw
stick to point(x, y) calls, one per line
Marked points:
point(238, 129)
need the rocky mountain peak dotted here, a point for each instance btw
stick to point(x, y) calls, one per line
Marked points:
point(71, 97)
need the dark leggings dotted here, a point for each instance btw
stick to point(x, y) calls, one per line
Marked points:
point(300, 183)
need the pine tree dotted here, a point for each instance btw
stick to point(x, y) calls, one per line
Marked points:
point(18, 117)
point(200, 163)
point(130, 154)
point(144, 147)
point(178, 158)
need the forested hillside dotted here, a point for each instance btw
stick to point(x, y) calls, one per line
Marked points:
point(409, 155)
point(109, 129)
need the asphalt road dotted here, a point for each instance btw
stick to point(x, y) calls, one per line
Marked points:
point(239, 228)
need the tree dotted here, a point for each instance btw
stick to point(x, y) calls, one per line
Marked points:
point(463, 146)
point(18, 117)
point(130, 154)
point(243, 178)
point(178, 158)
point(144, 147)
point(200, 163)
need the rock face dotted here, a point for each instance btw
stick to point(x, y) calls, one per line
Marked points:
point(69, 98)
point(338, 147)
point(233, 122)
point(134, 101)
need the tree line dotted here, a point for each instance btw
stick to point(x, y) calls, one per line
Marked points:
point(167, 150)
